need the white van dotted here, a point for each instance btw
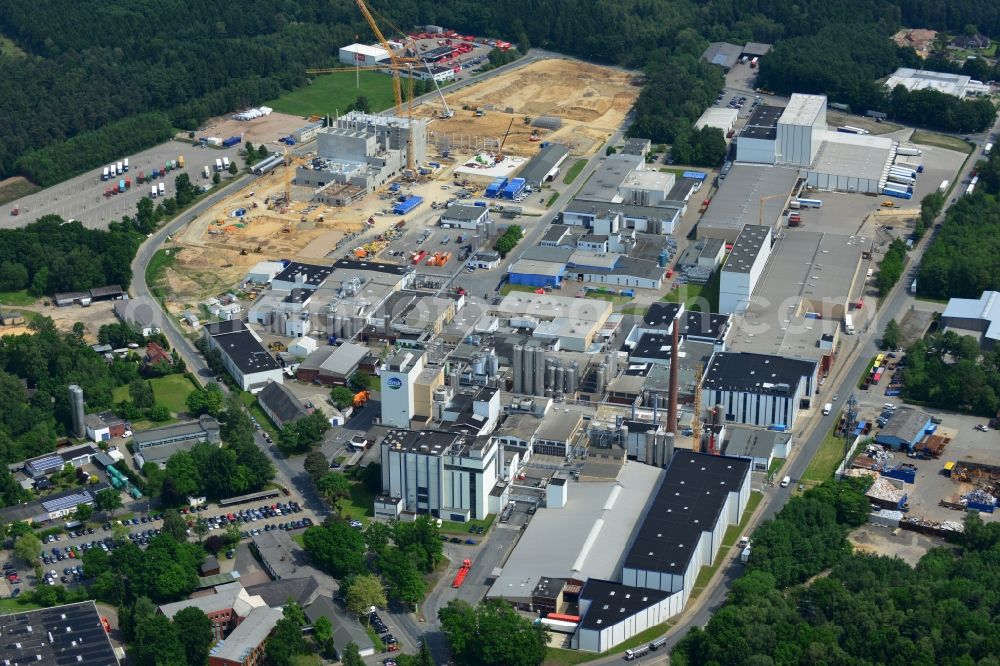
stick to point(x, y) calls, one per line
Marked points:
point(827, 408)
point(785, 481)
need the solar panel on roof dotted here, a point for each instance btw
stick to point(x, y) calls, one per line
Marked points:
point(47, 463)
point(66, 502)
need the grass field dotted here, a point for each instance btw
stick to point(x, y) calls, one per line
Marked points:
point(15, 606)
point(552, 200)
point(360, 505)
point(170, 391)
point(560, 657)
point(463, 528)
point(941, 141)
point(333, 93)
point(16, 298)
point(15, 188)
point(574, 171)
point(695, 296)
point(161, 261)
point(823, 464)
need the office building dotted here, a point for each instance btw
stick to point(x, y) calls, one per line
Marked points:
point(398, 376)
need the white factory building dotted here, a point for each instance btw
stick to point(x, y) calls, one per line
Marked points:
point(784, 136)
point(743, 268)
point(957, 85)
point(444, 474)
point(362, 54)
point(398, 376)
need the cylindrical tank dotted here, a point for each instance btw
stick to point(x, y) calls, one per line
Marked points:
point(517, 383)
point(282, 322)
point(571, 378)
point(540, 371)
point(602, 378)
point(338, 326)
point(548, 392)
point(492, 364)
point(651, 457)
point(550, 373)
point(479, 365)
point(622, 435)
point(454, 380)
point(528, 371)
point(560, 378)
point(441, 394)
point(330, 321)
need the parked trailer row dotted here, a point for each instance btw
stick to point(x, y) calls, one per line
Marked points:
point(852, 130)
point(902, 171)
point(810, 203)
point(899, 194)
point(911, 152)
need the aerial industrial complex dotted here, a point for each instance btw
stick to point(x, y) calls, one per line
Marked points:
point(578, 365)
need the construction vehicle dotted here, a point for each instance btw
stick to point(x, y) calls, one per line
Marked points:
point(888, 204)
point(277, 346)
point(534, 136)
point(499, 155)
point(361, 397)
point(463, 571)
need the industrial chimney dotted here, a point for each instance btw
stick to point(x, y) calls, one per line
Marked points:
point(672, 401)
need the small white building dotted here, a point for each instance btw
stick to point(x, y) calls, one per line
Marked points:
point(724, 119)
point(362, 54)
point(464, 217)
point(263, 272)
point(486, 259)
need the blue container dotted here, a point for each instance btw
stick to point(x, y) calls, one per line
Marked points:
point(697, 175)
point(404, 207)
point(663, 259)
point(232, 141)
point(778, 427)
point(979, 506)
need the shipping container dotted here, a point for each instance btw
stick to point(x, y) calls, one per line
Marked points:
point(898, 193)
point(231, 141)
point(810, 203)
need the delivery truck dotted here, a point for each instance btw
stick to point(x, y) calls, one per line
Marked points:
point(218, 164)
point(125, 164)
point(106, 174)
point(152, 191)
point(225, 164)
point(206, 172)
point(121, 168)
point(160, 189)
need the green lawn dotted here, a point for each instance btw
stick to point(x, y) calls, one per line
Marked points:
point(299, 539)
point(162, 260)
point(732, 535)
point(361, 503)
point(16, 298)
point(776, 464)
point(941, 141)
point(574, 171)
point(333, 93)
point(552, 200)
point(16, 606)
point(823, 464)
point(171, 391)
point(463, 528)
point(635, 309)
point(253, 407)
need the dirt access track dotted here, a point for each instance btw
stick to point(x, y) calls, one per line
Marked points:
point(592, 101)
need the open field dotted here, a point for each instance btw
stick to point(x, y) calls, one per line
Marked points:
point(830, 453)
point(574, 171)
point(330, 93)
point(16, 187)
point(590, 100)
point(837, 119)
point(264, 130)
point(170, 391)
point(941, 141)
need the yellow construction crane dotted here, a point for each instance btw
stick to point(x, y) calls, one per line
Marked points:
point(696, 420)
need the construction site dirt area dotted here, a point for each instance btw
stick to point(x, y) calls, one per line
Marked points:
point(264, 130)
point(589, 102)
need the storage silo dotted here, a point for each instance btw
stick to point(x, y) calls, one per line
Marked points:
point(517, 382)
point(528, 370)
point(540, 357)
point(76, 407)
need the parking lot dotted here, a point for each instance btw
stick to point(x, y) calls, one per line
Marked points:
point(82, 198)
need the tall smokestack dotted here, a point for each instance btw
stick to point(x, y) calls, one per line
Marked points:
point(672, 402)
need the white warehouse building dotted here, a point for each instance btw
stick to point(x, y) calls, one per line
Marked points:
point(801, 129)
point(362, 54)
point(759, 389)
point(743, 268)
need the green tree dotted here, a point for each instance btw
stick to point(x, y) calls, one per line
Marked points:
point(336, 548)
point(364, 593)
point(208, 400)
point(158, 413)
point(491, 634)
point(342, 397)
point(377, 536)
point(157, 643)
point(141, 394)
point(402, 577)
point(174, 525)
point(316, 465)
point(216, 178)
point(195, 632)
point(890, 337)
point(109, 501)
point(323, 635)
point(335, 488)
point(351, 656)
point(27, 548)
point(83, 513)
point(233, 169)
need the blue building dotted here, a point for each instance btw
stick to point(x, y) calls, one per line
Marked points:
point(905, 429)
point(532, 273)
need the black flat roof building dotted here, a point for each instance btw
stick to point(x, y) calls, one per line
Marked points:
point(689, 502)
point(611, 603)
point(378, 267)
point(307, 275)
point(246, 352)
point(700, 326)
point(70, 635)
point(763, 123)
point(756, 373)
